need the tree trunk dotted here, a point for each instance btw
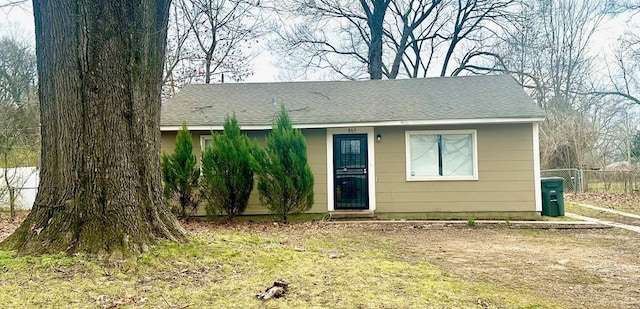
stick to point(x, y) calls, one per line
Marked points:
point(100, 73)
point(207, 68)
point(375, 20)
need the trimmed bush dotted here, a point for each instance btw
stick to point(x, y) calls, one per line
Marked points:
point(226, 171)
point(180, 174)
point(285, 181)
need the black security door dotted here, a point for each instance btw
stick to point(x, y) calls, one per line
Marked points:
point(350, 171)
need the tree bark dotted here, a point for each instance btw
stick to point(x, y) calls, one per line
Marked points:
point(100, 74)
point(375, 20)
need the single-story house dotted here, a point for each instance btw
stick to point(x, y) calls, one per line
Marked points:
point(455, 145)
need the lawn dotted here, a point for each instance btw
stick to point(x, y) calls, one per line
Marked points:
point(344, 265)
point(602, 215)
point(21, 157)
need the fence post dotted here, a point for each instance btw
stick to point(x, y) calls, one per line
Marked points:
point(581, 173)
point(12, 201)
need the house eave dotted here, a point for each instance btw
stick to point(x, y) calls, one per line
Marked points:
point(170, 128)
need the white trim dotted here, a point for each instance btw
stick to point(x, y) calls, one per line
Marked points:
point(536, 166)
point(371, 169)
point(369, 124)
point(407, 144)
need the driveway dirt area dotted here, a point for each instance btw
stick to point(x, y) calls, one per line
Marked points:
point(577, 268)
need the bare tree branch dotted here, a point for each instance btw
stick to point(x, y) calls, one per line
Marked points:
point(11, 3)
point(414, 33)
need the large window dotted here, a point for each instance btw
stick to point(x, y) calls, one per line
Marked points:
point(441, 155)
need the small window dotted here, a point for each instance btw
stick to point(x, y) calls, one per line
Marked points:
point(207, 140)
point(350, 147)
point(441, 155)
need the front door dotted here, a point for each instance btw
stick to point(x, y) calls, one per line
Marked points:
point(350, 171)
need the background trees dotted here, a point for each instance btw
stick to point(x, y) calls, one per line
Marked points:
point(550, 49)
point(210, 40)
point(19, 121)
point(418, 38)
point(553, 49)
point(11, 3)
point(18, 113)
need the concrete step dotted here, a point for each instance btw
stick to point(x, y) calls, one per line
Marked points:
point(351, 214)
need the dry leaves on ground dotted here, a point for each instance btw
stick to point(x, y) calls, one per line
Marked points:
point(8, 224)
point(617, 201)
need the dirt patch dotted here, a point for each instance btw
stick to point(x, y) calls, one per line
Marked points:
point(576, 268)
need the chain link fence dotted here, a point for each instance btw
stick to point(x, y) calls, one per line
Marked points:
point(572, 178)
point(597, 181)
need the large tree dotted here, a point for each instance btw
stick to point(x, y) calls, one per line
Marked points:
point(390, 38)
point(99, 72)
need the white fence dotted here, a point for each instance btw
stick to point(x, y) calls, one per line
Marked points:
point(24, 181)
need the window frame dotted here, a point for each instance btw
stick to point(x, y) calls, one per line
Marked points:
point(474, 140)
point(203, 139)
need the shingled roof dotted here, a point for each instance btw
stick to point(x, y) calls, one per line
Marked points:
point(469, 99)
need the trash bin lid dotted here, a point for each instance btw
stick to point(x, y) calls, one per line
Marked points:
point(552, 182)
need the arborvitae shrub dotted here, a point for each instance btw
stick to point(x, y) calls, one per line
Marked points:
point(226, 171)
point(180, 174)
point(285, 181)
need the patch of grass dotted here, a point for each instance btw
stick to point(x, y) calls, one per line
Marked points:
point(561, 218)
point(225, 267)
point(21, 157)
point(536, 233)
point(471, 223)
point(622, 202)
point(8, 261)
point(603, 215)
point(584, 211)
point(608, 187)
